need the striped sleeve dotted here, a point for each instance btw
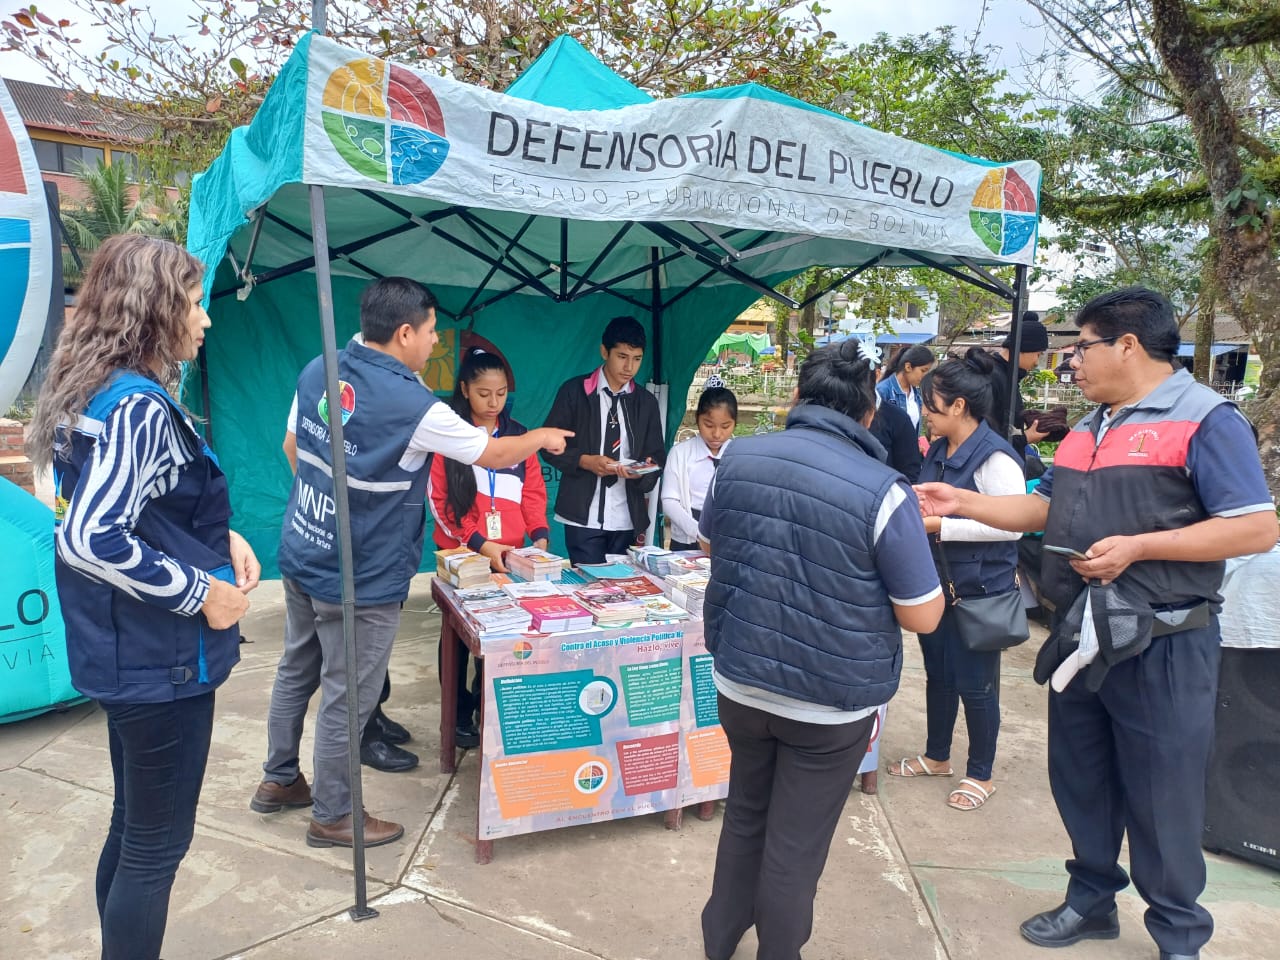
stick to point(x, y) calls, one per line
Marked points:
point(137, 458)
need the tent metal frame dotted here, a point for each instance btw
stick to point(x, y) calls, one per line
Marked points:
point(716, 252)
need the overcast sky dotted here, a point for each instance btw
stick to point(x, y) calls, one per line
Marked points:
point(1011, 25)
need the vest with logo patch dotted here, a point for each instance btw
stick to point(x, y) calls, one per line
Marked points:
point(1135, 481)
point(382, 404)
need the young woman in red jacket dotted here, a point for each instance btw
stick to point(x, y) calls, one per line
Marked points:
point(489, 511)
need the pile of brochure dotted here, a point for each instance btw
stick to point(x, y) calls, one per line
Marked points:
point(609, 606)
point(557, 614)
point(490, 611)
point(688, 590)
point(531, 563)
point(462, 567)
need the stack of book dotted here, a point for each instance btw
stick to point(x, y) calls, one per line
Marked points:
point(606, 571)
point(639, 586)
point(490, 612)
point(530, 563)
point(521, 590)
point(558, 614)
point(687, 590)
point(462, 567)
point(659, 608)
point(653, 559)
point(609, 606)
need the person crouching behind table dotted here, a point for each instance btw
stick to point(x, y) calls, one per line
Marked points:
point(693, 462)
point(489, 511)
point(151, 580)
point(602, 504)
point(818, 558)
point(981, 560)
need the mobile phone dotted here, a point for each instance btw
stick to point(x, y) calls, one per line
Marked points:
point(1066, 552)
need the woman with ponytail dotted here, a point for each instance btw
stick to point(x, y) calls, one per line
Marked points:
point(489, 511)
point(967, 453)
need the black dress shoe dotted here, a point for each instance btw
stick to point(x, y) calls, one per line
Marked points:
point(387, 757)
point(1179, 956)
point(388, 730)
point(466, 736)
point(1062, 927)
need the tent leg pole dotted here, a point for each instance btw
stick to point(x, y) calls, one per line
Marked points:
point(342, 514)
point(1019, 303)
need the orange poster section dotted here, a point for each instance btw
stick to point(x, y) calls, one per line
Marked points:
point(708, 757)
point(549, 782)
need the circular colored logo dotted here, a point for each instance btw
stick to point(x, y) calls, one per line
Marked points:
point(347, 400)
point(384, 121)
point(591, 777)
point(1004, 212)
point(523, 650)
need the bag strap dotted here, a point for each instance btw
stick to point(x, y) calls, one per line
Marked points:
point(946, 569)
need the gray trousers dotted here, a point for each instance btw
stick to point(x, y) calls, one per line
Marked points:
point(314, 656)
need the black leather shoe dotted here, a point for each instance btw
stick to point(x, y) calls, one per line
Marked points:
point(466, 736)
point(1179, 956)
point(388, 730)
point(387, 757)
point(1062, 927)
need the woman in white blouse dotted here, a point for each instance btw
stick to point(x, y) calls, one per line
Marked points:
point(980, 560)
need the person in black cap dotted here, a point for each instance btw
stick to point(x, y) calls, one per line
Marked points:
point(1034, 342)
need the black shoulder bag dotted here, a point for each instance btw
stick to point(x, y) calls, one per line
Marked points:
point(989, 623)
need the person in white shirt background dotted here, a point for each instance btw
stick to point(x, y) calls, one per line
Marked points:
point(692, 463)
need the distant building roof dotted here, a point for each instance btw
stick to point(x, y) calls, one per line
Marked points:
point(76, 112)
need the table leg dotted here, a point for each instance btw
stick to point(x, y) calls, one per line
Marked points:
point(484, 851)
point(707, 810)
point(673, 819)
point(869, 782)
point(448, 692)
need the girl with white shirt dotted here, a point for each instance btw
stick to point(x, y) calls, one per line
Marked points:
point(981, 560)
point(692, 463)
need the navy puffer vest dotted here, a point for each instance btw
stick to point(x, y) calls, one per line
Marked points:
point(795, 605)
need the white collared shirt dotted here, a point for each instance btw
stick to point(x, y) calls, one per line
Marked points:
point(617, 515)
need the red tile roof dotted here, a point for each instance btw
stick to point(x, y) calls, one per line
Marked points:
point(76, 112)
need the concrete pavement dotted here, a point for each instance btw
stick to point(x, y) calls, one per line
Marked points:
point(907, 877)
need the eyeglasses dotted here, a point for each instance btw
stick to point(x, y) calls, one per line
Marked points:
point(1080, 346)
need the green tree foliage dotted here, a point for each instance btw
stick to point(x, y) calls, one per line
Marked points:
point(1202, 85)
point(112, 204)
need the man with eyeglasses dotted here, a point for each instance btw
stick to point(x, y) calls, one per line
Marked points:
point(1155, 488)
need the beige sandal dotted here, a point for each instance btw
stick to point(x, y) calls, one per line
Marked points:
point(903, 768)
point(976, 797)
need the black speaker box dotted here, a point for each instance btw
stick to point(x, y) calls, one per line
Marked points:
point(1242, 816)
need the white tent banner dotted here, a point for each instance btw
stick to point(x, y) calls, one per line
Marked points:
point(746, 158)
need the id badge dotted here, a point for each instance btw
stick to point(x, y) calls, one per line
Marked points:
point(493, 525)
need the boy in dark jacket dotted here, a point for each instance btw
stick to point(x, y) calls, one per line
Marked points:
point(601, 503)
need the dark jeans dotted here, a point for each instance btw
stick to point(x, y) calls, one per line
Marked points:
point(954, 674)
point(788, 782)
point(587, 545)
point(158, 755)
point(677, 545)
point(1133, 757)
point(468, 693)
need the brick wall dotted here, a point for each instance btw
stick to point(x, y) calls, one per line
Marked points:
point(14, 465)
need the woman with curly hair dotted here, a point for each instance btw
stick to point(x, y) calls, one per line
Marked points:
point(151, 580)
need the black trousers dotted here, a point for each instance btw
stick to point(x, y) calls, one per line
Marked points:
point(788, 782)
point(1134, 756)
point(371, 728)
point(588, 545)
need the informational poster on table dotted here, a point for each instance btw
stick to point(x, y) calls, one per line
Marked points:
point(595, 726)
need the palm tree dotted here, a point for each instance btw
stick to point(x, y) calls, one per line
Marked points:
point(113, 204)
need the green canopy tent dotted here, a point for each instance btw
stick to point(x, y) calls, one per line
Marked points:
point(534, 216)
point(749, 345)
point(536, 258)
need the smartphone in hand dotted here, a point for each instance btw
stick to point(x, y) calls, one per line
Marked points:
point(1066, 552)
